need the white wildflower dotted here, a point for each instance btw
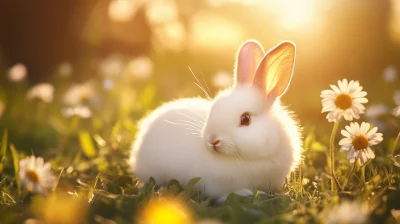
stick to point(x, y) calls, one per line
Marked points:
point(35, 174)
point(222, 79)
point(111, 66)
point(390, 74)
point(108, 84)
point(43, 91)
point(140, 67)
point(376, 110)
point(65, 69)
point(80, 111)
point(17, 72)
point(345, 100)
point(358, 140)
point(79, 94)
point(348, 212)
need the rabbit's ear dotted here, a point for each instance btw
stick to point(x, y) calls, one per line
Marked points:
point(275, 70)
point(248, 57)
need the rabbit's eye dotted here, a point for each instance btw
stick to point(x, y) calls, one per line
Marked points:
point(245, 119)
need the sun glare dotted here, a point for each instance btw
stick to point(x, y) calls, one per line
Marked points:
point(297, 14)
point(212, 31)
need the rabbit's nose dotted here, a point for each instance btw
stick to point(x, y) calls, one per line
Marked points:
point(215, 142)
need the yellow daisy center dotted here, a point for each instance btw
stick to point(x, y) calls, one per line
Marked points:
point(360, 142)
point(343, 101)
point(32, 176)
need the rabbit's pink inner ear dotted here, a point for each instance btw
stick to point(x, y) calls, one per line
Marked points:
point(249, 55)
point(275, 70)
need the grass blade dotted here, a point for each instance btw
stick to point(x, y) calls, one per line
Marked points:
point(87, 144)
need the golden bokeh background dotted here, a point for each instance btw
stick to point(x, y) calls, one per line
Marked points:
point(335, 40)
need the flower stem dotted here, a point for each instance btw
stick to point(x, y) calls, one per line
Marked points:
point(363, 174)
point(334, 180)
point(395, 144)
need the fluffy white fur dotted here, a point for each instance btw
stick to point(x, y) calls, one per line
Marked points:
point(172, 143)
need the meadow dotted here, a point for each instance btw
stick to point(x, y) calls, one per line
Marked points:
point(66, 135)
point(88, 180)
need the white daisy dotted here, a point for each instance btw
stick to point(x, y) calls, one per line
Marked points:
point(390, 73)
point(17, 72)
point(396, 98)
point(222, 79)
point(80, 111)
point(140, 67)
point(35, 174)
point(65, 69)
point(358, 140)
point(347, 212)
point(79, 94)
point(43, 91)
point(112, 65)
point(345, 100)
point(376, 110)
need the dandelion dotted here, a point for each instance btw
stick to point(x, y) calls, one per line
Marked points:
point(166, 211)
point(348, 212)
point(140, 67)
point(80, 111)
point(345, 100)
point(35, 174)
point(79, 94)
point(222, 79)
point(358, 139)
point(43, 91)
point(111, 66)
point(65, 69)
point(17, 72)
point(390, 74)
point(396, 98)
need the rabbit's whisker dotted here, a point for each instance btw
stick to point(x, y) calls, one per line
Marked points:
point(198, 84)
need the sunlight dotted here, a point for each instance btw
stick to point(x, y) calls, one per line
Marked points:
point(297, 14)
point(122, 10)
point(212, 31)
point(395, 20)
point(166, 211)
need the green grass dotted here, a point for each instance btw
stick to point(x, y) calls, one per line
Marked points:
point(89, 160)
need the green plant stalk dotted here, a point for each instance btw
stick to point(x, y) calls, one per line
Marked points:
point(395, 144)
point(363, 174)
point(334, 180)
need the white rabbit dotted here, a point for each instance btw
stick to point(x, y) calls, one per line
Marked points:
point(242, 140)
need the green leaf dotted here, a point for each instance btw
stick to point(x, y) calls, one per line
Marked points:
point(16, 166)
point(4, 143)
point(191, 183)
point(87, 144)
